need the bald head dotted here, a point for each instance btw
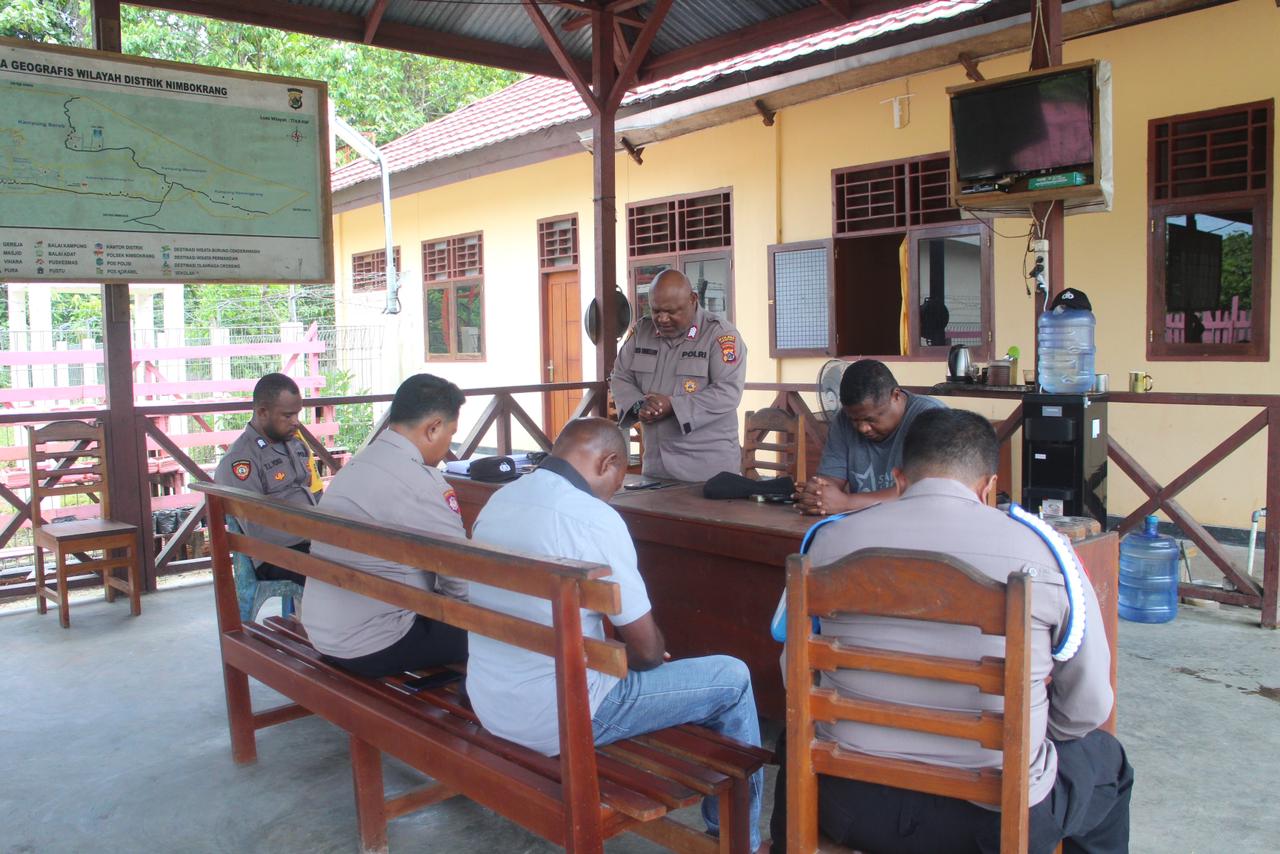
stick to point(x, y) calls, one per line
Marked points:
point(672, 303)
point(597, 450)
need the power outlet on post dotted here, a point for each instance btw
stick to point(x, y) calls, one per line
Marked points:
point(1040, 272)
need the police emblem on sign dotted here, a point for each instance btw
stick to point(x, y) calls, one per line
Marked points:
point(295, 98)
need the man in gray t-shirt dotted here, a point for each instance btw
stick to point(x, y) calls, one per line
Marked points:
point(864, 442)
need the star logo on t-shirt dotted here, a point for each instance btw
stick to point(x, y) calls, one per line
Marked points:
point(864, 481)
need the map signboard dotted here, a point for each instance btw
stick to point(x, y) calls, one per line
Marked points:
point(115, 168)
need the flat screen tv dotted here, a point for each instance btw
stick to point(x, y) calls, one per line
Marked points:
point(1035, 124)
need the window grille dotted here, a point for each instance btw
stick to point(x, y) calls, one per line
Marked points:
point(369, 269)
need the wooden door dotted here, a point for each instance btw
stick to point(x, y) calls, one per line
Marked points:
point(561, 346)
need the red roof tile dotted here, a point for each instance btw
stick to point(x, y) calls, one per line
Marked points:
point(537, 103)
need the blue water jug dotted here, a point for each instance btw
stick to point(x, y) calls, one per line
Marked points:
point(1064, 342)
point(1148, 575)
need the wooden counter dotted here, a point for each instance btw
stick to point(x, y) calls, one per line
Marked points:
point(715, 572)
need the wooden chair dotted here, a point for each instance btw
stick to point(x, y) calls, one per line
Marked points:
point(789, 446)
point(251, 592)
point(48, 444)
point(918, 586)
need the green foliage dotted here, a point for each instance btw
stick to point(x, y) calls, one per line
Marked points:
point(355, 420)
point(78, 312)
point(1237, 269)
point(53, 21)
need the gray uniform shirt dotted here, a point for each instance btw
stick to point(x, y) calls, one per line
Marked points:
point(702, 372)
point(944, 516)
point(277, 470)
point(388, 483)
point(868, 466)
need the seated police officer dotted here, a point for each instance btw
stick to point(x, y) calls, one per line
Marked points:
point(270, 458)
point(1080, 781)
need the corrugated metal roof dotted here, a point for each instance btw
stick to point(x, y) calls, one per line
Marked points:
point(537, 103)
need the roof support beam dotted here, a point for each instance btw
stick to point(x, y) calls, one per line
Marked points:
point(970, 63)
point(639, 50)
point(585, 21)
point(374, 18)
point(327, 24)
point(566, 63)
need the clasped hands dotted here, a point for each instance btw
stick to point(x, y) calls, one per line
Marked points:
point(653, 408)
point(818, 496)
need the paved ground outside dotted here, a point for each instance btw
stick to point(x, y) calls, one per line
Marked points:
point(115, 740)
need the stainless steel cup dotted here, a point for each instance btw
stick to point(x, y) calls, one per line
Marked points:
point(1101, 383)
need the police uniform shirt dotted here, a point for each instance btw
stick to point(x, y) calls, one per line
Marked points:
point(550, 513)
point(945, 516)
point(865, 465)
point(277, 470)
point(387, 482)
point(702, 372)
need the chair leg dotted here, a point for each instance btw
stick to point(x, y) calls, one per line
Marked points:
point(107, 589)
point(371, 806)
point(42, 604)
point(135, 583)
point(64, 606)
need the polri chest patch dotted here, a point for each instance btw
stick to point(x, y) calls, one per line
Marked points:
point(242, 469)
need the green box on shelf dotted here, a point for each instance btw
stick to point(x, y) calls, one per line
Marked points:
point(1053, 182)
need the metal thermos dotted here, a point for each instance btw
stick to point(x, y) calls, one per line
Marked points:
point(959, 362)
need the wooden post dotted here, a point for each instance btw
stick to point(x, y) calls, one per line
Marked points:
point(604, 172)
point(1271, 541)
point(130, 497)
point(1046, 51)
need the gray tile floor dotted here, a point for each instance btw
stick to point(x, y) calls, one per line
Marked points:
point(113, 739)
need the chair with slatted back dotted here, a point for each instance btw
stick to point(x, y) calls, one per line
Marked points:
point(788, 446)
point(58, 456)
point(912, 585)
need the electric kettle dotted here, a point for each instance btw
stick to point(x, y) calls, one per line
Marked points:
point(959, 364)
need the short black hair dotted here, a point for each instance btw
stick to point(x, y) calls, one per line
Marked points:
point(866, 380)
point(272, 386)
point(423, 395)
point(953, 443)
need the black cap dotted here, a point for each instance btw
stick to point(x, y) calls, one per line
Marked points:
point(729, 485)
point(1072, 298)
point(493, 469)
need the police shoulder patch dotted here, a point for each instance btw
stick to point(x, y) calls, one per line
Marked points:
point(241, 469)
point(451, 498)
point(728, 348)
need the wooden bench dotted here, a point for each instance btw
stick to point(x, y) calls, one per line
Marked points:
point(577, 799)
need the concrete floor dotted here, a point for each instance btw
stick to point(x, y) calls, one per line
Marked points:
point(114, 740)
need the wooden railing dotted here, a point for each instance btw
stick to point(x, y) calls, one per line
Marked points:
point(500, 415)
point(1247, 591)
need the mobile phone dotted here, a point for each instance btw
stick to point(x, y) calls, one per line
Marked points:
point(642, 484)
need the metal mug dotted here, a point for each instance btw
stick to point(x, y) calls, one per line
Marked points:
point(1139, 382)
point(1101, 383)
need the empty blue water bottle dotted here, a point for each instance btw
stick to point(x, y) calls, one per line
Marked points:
point(1064, 341)
point(1148, 575)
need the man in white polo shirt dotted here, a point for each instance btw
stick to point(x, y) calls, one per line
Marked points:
point(560, 511)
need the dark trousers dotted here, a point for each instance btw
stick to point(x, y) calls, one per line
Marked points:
point(271, 572)
point(427, 644)
point(1087, 810)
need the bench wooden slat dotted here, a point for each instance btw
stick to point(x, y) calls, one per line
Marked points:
point(697, 777)
point(524, 797)
point(456, 558)
point(621, 797)
point(691, 744)
point(605, 656)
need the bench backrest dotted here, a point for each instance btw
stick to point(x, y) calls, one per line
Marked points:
point(915, 585)
point(569, 585)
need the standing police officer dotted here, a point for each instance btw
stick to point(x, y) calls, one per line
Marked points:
point(680, 374)
point(271, 459)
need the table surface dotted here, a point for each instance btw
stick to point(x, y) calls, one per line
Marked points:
point(716, 569)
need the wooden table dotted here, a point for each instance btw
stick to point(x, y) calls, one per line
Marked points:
point(715, 571)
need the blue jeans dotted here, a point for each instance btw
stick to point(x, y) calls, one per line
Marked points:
point(714, 692)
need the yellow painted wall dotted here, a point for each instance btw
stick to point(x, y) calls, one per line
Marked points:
point(781, 182)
